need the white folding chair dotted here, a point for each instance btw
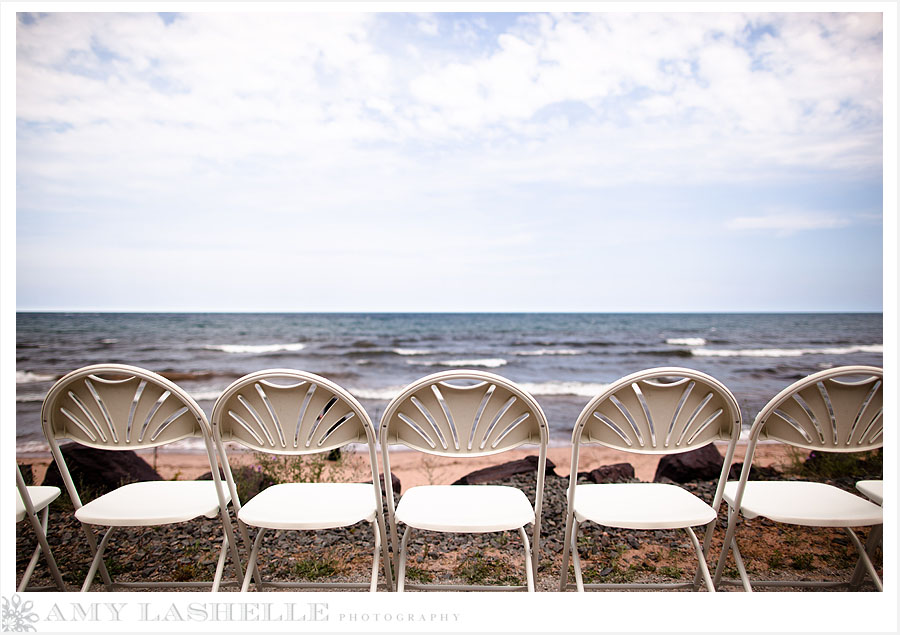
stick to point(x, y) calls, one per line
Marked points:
point(31, 500)
point(656, 411)
point(119, 407)
point(462, 413)
point(873, 490)
point(835, 410)
point(291, 412)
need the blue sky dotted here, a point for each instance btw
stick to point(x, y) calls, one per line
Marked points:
point(449, 162)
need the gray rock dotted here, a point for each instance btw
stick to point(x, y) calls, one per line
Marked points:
point(702, 464)
point(96, 472)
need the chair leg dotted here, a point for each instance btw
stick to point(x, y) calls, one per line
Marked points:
point(564, 574)
point(251, 564)
point(726, 543)
point(373, 586)
point(92, 543)
point(231, 540)
point(401, 564)
point(701, 557)
point(29, 570)
point(707, 539)
point(872, 542)
point(739, 562)
point(97, 562)
point(248, 545)
point(576, 561)
point(40, 531)
point(529, 563)
point(864, 557)
point(385, 552)
point(220, 566)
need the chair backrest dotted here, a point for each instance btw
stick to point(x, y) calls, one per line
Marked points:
point(463, 412)
point(660, 411)
point(114, 406)
point(285, 411)
point(835, 410)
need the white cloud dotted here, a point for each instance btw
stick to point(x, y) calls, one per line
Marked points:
point(357, 135)
point(787, 223)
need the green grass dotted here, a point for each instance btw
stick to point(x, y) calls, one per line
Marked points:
point(834, 465)
point(188, 572)
point(415, 574)
point(671, 572)
point(775, 560)
point(315, 569)
point(481, 569)
point(802, 562)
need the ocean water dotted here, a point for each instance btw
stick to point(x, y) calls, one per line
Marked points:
point(562, 359)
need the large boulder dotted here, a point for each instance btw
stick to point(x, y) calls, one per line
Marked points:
point(756, 473)
point(616, 473)
point(395, 484)
point(27, 473)
point(505, 470)
point(96, 472)
point(702, 464)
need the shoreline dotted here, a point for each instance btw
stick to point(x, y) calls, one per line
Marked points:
point(416, 468)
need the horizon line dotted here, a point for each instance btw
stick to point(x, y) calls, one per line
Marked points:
point(438, 312)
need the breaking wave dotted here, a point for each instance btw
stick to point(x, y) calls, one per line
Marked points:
point(686, 341)
point(458, 363)
point(786, 352)
point(254, 348)
point(28, 377)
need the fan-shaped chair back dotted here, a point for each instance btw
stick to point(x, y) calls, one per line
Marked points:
point(835, 410)
point(114, 406)
point(463, 413)
point(284, 411)
point(660, 411)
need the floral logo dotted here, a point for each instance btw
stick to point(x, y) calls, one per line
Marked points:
point(18, 616)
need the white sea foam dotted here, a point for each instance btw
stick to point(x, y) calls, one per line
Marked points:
point(550, 388)
point(27, 377)
point(30, 397)
point(686, 341)
point(557, 388)
point(484, 363)
point(551, 351)
point(411, 351)
point(206, 395)
point(385, 394)
point(258, 348)
point(787, 352)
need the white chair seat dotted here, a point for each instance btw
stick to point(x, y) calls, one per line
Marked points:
point(874, 490)
point(804, 503)
point(310, 506)
point(153, 503)
point(465, 508)
point(640, 506)
point(41, 496)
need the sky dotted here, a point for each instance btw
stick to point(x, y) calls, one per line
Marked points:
point(315, 161)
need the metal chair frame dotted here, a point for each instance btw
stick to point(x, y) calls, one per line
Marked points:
point(641, 414)
point(122, 407)
point(296, 413)
point(436, 417)
point(40, 532)
point(826, 411)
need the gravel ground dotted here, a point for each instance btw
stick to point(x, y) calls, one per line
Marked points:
point(189, 551)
